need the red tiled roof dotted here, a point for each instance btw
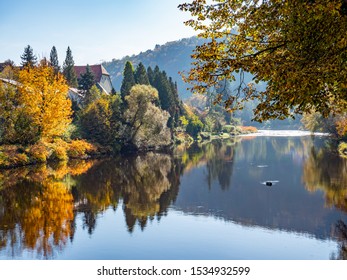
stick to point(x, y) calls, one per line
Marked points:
point(98, 71)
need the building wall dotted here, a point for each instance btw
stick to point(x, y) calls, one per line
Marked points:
point(106, 84)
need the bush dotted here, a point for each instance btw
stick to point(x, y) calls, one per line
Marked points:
point(80, 149)
point(11, 155)
point(59, 153)
point(38, 152)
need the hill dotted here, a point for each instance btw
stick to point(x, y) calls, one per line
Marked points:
point(173, 57)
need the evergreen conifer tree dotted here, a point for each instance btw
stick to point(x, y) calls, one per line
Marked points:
point(86, 81)
point(68, 69)
point(150, 75)
point(164, 89)
point(140, 75)
point(128, 80)
point(53, 57)
point(28, 57)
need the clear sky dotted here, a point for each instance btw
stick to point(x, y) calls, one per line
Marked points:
point(95, 30)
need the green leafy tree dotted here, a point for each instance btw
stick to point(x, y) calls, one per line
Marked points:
point(68, 69)
point(28, 57)
point(53, 58)
point(93, 94)
point(297, 47)
point(100, 120)
point(140, 75)
point(209, 123)
point(15, 125)
point(128, 80)
point(183, 122)
point(194, 126)
point(147, 123)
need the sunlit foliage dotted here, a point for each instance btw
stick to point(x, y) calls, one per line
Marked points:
point(297, 47)
point(147, 123)
point(328, 173)
point(43, 96)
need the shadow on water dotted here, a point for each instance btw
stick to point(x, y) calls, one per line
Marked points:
point(39, 204)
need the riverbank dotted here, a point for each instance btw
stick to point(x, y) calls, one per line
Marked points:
point(12, 156)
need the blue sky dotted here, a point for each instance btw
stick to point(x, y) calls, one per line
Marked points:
point(95, 30)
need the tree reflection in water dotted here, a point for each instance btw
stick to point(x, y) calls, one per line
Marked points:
point(39, 204)
point(216, 155)
point(327, 172)
point(341, 234)
point(147, 184)
point(36, 209)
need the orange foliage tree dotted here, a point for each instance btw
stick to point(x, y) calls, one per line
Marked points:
point(44, 96)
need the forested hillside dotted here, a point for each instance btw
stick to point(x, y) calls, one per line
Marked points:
point(173, 57)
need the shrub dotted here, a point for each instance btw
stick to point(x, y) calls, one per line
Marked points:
point(59, 153)
point(38, 152)
point(80, 149)
point(11, 155)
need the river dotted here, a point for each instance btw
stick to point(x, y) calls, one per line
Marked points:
point(272, 195)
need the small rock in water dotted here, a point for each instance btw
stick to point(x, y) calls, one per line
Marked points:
point(270, 183)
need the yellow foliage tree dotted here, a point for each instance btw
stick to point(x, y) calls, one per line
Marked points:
point(297, 47)
point(43, 95)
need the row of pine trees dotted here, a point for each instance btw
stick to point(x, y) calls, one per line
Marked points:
point(29, 60)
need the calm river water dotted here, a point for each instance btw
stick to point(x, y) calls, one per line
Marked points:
point(271, 196)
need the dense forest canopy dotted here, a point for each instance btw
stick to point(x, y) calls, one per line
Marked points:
point(298, 47)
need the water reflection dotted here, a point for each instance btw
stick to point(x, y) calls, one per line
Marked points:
point(147, 185)
point(42, 206)
point(216, 156)
point(327, 172)
point(36, 209)
point(341, 234)
point(286, 205)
